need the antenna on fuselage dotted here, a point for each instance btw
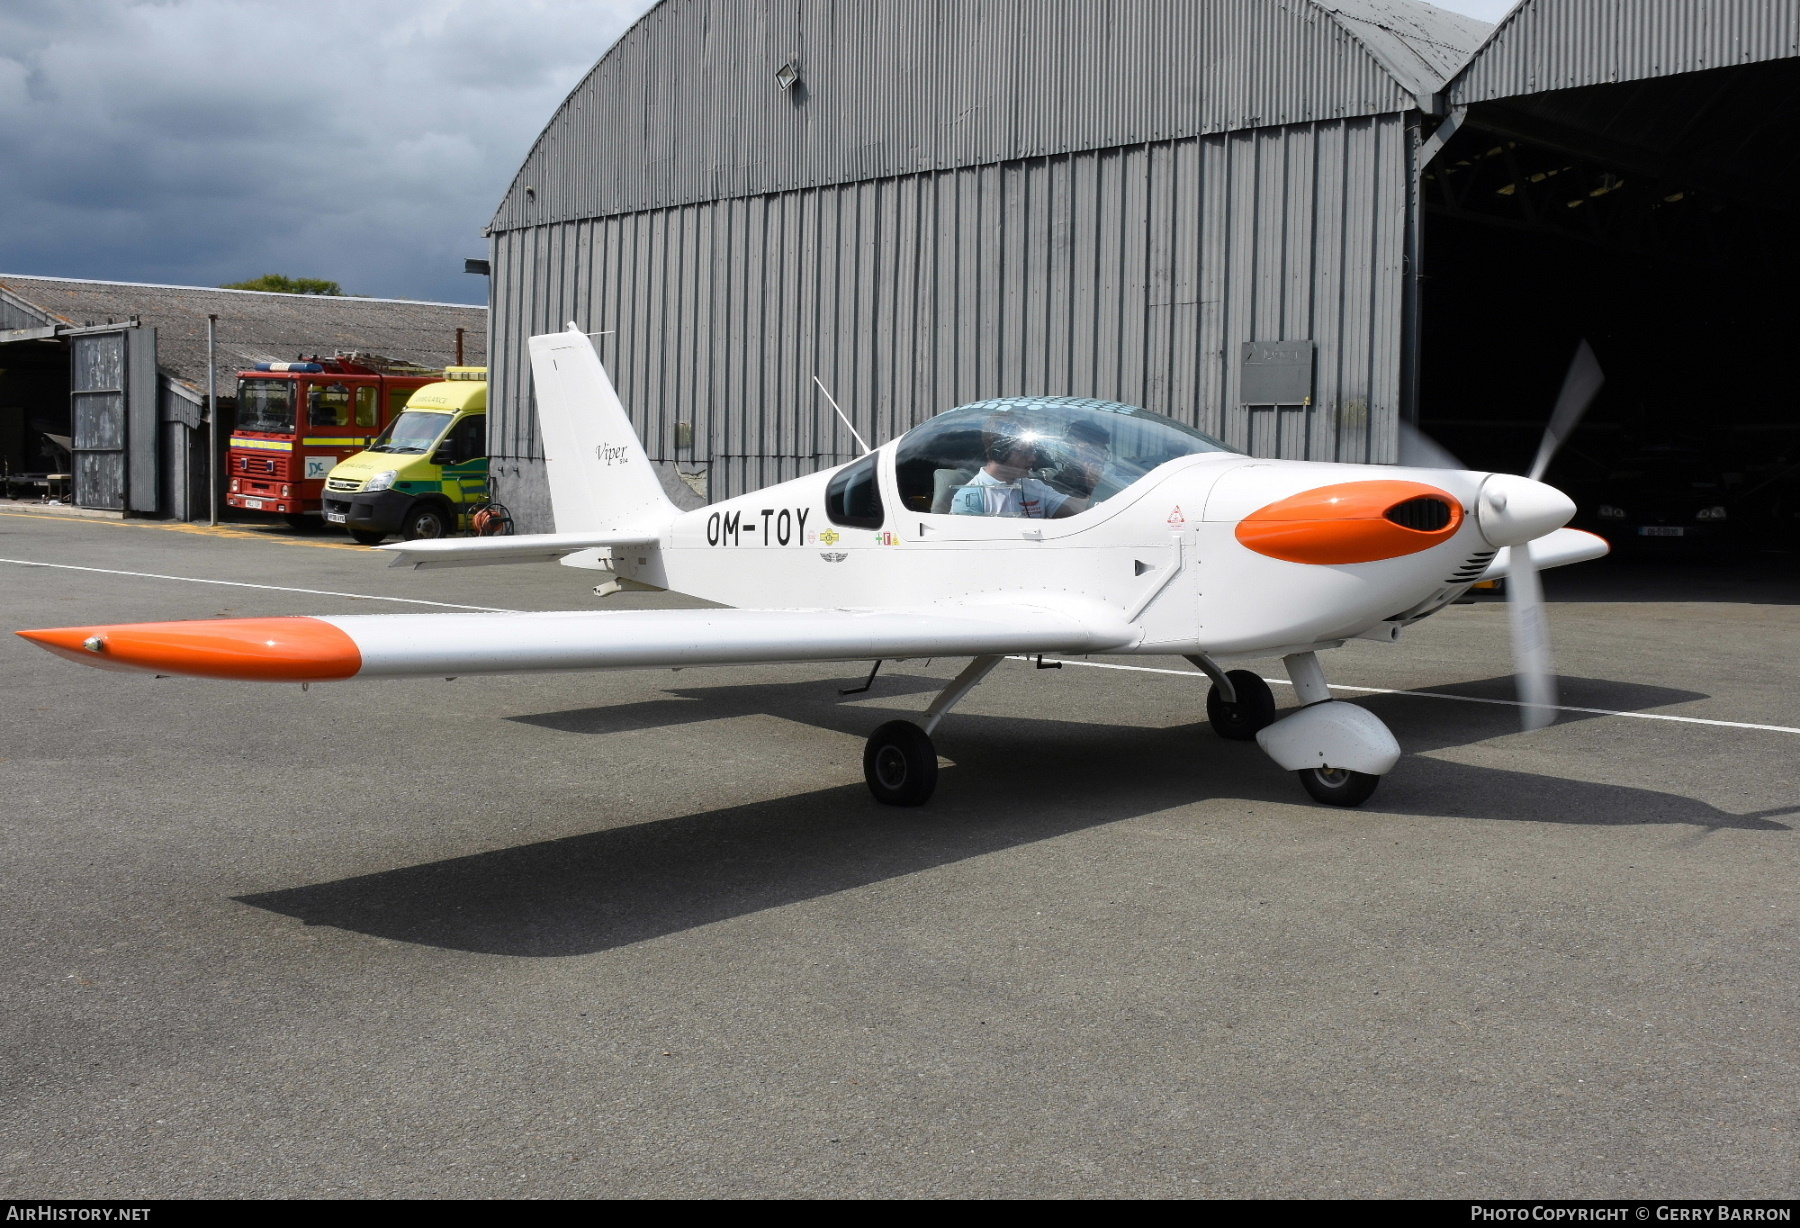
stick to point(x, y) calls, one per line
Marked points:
point(845, 418)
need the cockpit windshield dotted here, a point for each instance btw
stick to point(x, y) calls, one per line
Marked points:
point(1036, 457)
point(413, 431)
point(266, 405)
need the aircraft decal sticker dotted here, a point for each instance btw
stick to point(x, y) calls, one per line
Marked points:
point(833, 556)
point(1176, 519)
point(830, 537)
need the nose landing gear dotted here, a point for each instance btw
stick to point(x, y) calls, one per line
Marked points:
point(1340, 752)
point(1337, 786)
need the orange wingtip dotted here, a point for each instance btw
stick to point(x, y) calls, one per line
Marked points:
point(1353, 522)
point(251, 649)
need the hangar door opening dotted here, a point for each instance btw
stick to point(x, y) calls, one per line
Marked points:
point(1657, 219)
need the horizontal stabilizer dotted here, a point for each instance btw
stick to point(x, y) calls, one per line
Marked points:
point(1557, 549)
point(400, 645)
point(526, 548)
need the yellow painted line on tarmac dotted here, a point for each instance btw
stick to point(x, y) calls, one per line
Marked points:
point(271, 534)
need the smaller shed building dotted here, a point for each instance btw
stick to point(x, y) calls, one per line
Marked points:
point(109, 378)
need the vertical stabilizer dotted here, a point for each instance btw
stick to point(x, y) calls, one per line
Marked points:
point(600, 477)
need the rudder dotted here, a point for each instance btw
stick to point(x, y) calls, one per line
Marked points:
point(600, 475)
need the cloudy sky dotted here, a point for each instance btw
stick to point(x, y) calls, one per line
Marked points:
point(196, 142)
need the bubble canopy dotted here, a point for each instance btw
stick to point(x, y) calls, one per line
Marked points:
point(1036, 457)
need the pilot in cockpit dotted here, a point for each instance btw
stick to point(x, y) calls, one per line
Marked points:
point(1005, 485)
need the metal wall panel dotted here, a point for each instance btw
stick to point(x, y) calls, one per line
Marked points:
point(184, 471)
point(1133, 274)
point(1559, 44)
point(685, 108)
point(97, 394)
point(14, 314)
point(143, 486)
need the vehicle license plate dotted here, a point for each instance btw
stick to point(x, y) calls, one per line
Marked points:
point(1660, 530)
point(255, 503)
point(336, 517)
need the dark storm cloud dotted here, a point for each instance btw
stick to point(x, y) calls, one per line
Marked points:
point(204, 141)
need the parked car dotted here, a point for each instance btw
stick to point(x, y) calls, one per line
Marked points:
point(1664, 502)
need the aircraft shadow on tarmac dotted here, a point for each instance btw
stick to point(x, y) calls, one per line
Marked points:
point(1018, 781)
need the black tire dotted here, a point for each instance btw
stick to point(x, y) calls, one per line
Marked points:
point(301, 521)
point(368, 537)
point(425, 521)
point(1253, 711)
point(900, 764)
point(1338, 786)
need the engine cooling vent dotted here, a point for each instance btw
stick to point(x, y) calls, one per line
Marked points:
point(1427, 514)
point(1472, 569)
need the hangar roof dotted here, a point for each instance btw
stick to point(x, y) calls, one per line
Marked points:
point(686, 106)
point(253, 326)
point(1545, 45)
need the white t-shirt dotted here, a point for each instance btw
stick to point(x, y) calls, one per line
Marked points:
point(987, 495)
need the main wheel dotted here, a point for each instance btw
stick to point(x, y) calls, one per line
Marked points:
point(368, 537)
point(1254, 709)
point(426, 520)
point(1338, 786)
point(900, 764)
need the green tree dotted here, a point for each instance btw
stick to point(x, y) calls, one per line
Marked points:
point(275, 283)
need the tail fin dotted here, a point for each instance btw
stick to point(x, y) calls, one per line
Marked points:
point(600, 477)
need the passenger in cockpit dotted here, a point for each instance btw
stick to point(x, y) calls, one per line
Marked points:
point(1086, 457)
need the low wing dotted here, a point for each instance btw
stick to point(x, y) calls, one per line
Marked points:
point(1557, 549)
point(306, 649)
point(526, 548)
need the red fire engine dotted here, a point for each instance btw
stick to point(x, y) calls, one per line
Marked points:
point(297, 420)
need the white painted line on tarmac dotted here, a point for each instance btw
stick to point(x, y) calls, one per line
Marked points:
point(1196, 675)
point(273, 588)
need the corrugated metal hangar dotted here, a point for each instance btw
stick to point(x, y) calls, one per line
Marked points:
point(1293, 223)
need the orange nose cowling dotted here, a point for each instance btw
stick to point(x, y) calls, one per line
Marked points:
point(252, 649)
point(1347, 523)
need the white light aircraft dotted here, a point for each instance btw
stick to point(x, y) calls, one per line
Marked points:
point(1020, 526)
